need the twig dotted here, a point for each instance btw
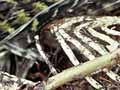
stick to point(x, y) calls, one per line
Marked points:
point(68, 75)
point(29, 54)
point(45, 58)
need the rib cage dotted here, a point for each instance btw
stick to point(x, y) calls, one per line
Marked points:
point(82, 28)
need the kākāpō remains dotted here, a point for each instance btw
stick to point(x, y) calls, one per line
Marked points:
point(63, 30)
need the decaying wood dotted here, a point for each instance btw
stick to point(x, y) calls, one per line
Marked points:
point(45, 58)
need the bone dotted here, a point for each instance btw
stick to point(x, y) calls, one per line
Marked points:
point(72, 57)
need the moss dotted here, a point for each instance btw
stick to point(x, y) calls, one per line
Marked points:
point(10, 1)
point(54, 0)
point(34, 25)
point(22, 18)
point(26, 1)
point(5, 26)
point(38, 6)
